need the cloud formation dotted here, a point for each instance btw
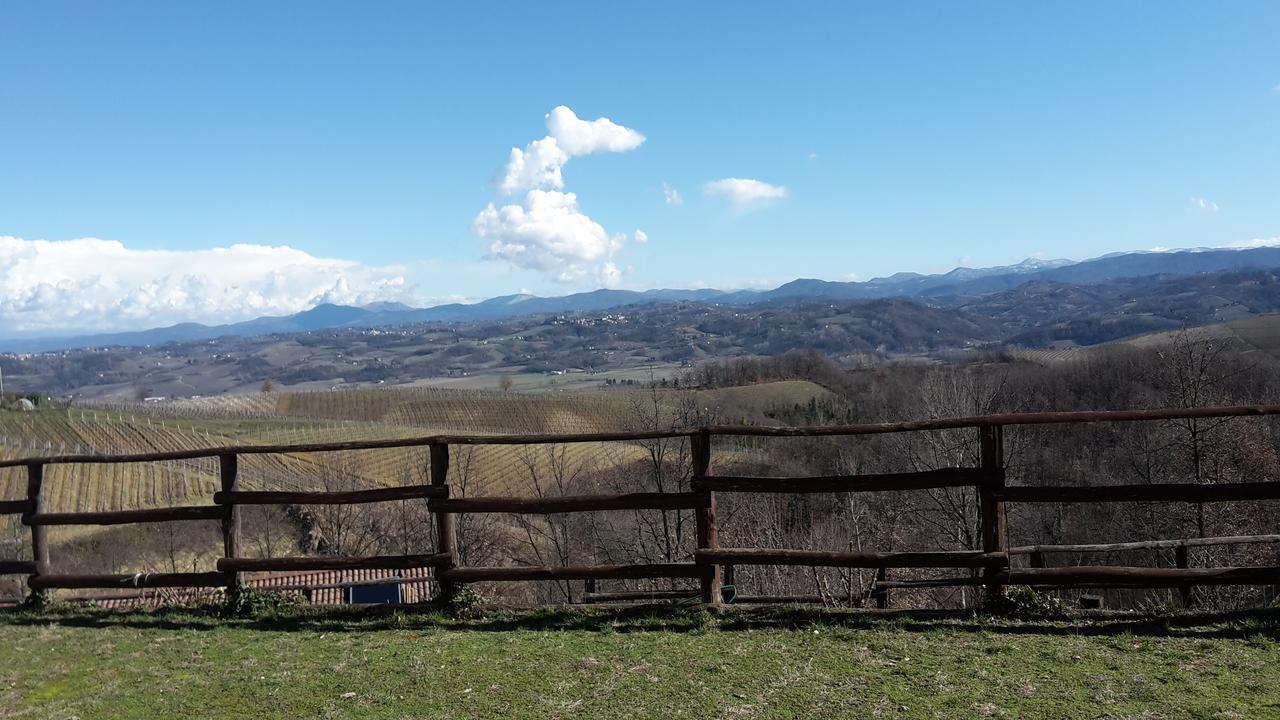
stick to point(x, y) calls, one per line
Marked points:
point(744, 193)
point(672, 195)
point(544, 229)
point(88, 284)
point(1204, 204)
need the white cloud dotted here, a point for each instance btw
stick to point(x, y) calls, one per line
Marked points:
point(1256, 243)
point(583, 137)
point(672, 195)
point(537, 166)
point(813, 156)
point(545, 230)
point(1205, 205)
point(640, 236)
point(88, 284)
point(548, 233)
point(744, 193)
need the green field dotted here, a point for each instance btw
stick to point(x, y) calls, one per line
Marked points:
point(634, 664)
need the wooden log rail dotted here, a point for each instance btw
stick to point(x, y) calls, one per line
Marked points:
point(1146, 545)
point(136, 580)
point(989, 566)
point(1186, 492)
point(584, 572)
point(124, 517)
point(351, 497)
point(1143, 577)
point(814, 558)
point(376, 562)
point(568, 504)
point(925, 480)
point(15, 507)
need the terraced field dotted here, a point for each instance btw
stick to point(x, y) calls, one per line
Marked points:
point(282, 418)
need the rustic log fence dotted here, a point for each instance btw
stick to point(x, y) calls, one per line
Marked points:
point(989, 567)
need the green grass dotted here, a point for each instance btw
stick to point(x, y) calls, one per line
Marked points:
point(783, 664)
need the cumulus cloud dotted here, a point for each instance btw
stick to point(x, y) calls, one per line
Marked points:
point(544, 229)
point(49, 287)
point(672, 195)
point(584, 137)
point(547, 232)
point(1204, 204)
point(640, 236)
point(744, 193)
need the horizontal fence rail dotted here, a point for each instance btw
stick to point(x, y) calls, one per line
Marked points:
point(711, 565)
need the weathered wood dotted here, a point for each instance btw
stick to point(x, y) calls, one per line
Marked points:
point(990, 506)
point(999, 577)
point(346, 497)
point(1146, 544)
point(15, 507)
point(1172, 492)
point(1182, 559)
point(425, 441)
point(124, 517)
point(39, 533)
point(818, 558)
point(924, 480)
point(446, 530)
point(1143, 577)
point(779, 600)
point(1041, 418)
point(229, 477)
point(638, 596)
point(880, 589)
point(707, 531)
point(139, 580)
point(374, 562)
point(574, 503)
point(551, 572)
point(17, 567)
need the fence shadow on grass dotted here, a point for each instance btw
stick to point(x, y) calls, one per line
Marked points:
point(662, 618)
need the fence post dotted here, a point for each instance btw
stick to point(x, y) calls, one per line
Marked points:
point(229, 473)
point(446, 540)
point(991, 505)
point(881, 594)
point(708, 534)
point(39, 533)
point(1182, 559)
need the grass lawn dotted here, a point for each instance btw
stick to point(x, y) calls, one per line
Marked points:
point(636, 663)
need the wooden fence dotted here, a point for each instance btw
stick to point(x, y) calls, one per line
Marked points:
point(988, 566)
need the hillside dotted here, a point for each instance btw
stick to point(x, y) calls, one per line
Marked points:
point(562, 350)
point(961, 281)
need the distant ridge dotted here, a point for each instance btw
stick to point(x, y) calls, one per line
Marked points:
point(960, 282)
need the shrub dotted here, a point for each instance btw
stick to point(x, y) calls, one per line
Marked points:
point(1024, 603)
point(249, 602)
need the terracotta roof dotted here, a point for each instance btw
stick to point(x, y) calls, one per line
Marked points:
point(416, 588)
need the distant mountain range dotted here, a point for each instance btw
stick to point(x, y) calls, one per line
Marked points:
point(954, 286)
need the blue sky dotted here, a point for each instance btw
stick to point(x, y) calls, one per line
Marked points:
point(902, 136)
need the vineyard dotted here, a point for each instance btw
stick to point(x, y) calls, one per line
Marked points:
point(318, 417)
